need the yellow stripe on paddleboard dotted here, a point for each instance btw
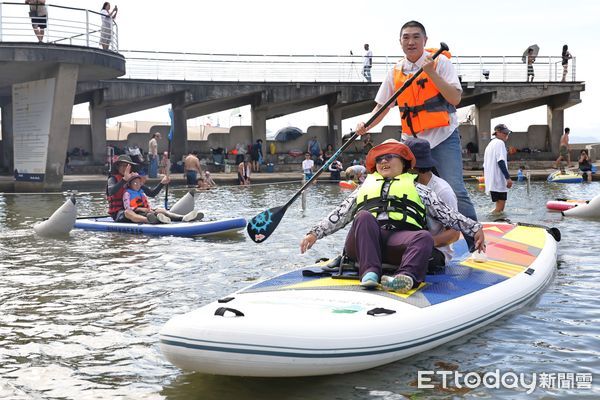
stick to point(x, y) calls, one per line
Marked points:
point(329, 282)
point(495, 267)
point(315, 283)
point(410, 292)
point(528, 235)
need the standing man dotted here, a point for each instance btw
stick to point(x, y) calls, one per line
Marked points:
point(307, 166)
point(153, 155)
point(256, 155)
point(367, 63)
point(564, 150)
point(530, 61)
point(314, 149)
point(428, 108)
point(495, 168)
point(191, 169)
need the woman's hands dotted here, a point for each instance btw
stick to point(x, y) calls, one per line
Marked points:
point(307, 242)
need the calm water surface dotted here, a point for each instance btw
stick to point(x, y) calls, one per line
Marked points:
point(79, 317)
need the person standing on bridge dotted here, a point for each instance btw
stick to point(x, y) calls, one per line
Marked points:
point(107, 24)
point(530, 61)
point(367, 63)
point(39, 17)
point(566, 56)
point(439, 127)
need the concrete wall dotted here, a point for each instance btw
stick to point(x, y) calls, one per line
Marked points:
point(468, 133)
point(228, 140)
point(80, 136)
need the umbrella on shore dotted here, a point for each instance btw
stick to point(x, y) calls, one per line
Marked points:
point(536, 50)
point(288, 133)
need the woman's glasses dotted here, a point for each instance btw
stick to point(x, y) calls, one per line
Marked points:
point(386, 157)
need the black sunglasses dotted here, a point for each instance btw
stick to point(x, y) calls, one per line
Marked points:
point(386, 157)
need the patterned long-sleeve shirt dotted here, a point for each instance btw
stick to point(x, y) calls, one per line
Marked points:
point(435, 208)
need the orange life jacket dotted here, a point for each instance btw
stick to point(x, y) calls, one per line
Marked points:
point(115, 202)
point(137, 199)
point(421, 105)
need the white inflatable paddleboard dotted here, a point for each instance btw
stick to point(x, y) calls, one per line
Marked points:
point(60, 222)
point(316, 323)
point(184, 205)
point(590, 209)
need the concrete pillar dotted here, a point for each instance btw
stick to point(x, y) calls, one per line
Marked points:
point(334, 124)
point(259, 124)
point(179, 144)
point(7, 138)
point(556, 122)
point(60, 124)
point(483, 121)
point(98, 127)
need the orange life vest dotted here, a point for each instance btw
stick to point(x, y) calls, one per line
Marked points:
point(115, 202)
point(421, 105)
point(137, 199)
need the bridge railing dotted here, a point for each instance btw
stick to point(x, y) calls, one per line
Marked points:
point(64, 25)
point(323, 68)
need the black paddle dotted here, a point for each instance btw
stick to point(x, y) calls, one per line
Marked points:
point(170, 137)
point(262, 225)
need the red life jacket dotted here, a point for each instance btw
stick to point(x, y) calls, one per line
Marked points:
point(115, 202)
point(421, 105)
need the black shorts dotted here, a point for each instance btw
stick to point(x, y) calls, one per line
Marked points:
point(38, 21)
point(120, 216)
point(499, 196)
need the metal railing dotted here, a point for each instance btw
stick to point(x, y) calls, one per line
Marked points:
point(322, 68)
point(64, 25)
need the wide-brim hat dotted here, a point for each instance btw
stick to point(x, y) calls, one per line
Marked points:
point(124, 158)
point(390, 146)
point(422, 152)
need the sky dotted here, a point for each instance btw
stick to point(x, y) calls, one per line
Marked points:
point(337, 26)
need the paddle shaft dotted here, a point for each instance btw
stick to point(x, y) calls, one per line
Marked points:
point(167, 172)
point(407, 83)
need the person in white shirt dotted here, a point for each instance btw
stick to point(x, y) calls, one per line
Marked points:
point(108, 17)
point(495, 168)
point(153, 155)
point(307, 166)
point(442, 237)
point(367, 63)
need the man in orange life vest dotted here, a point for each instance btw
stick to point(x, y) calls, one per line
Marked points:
point(116, 186)
point(428, 107)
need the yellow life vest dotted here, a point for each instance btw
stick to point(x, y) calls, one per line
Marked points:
point(402, 203)
point(421, 105)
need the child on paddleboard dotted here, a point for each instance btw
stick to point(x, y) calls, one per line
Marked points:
point(138, 209)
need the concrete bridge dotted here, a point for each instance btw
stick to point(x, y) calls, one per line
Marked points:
point(113, 98)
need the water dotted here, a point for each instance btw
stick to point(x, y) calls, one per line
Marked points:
point(79, 317)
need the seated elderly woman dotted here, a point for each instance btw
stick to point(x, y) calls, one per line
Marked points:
point(388, 221)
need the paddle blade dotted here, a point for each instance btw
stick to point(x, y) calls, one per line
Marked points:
point(262, 225)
